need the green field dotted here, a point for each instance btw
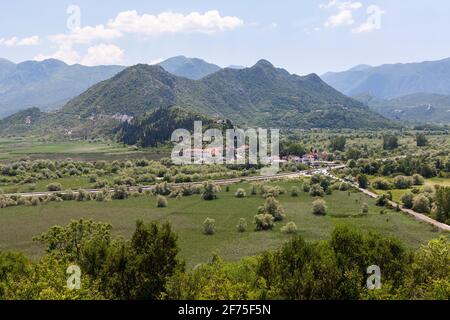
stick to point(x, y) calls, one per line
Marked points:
point(16, 148)
point(398, 193)
point(18, 225)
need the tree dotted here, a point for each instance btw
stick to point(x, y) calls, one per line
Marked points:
point(421, 140)
point(421, 204)
point(363, 181)
point(295, 149)
point(139, 269)
point(418, 180)
point(273, 208)
point(54, 187)
point(407, 200)
point(402, 182)
point(390, 142)
point(338, 143)
point(443, 204)
point(70, 242)
point(210, 191)
point(264, 222)
point(316, 191)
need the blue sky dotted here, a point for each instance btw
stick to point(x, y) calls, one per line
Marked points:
point(301, 36)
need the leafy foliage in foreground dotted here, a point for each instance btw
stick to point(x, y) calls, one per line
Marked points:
point(147, 267)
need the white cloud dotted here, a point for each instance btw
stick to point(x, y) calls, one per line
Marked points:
point(86, 35)
point(64, 53)
point(364, 27)
point(103, 54)
point(170, 22)
point(373, 22)
point(345, 17)
point(156, 61)
point(18, 42)
point(346, 5)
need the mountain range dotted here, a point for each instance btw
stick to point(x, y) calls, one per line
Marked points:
point(393, 80)
point(258, 96)
point(191, 68)
point(416, 107)
point(47, 84)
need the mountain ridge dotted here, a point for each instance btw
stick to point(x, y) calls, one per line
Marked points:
point(393, 80)
point(46, 84)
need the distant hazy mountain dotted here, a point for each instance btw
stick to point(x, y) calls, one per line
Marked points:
point(47, 85)
point(393, 80)
point(191, 68)
point(417, 107)
point(258, 96)
point(236, 67)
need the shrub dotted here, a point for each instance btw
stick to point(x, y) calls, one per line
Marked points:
point(54, 187)
point(82, 195)
point(363, 182)
point(418, 180)
point(240, 193)
point(264, 222)
point(365, 208)
point(319, 207)
point(162, 189)
point(344, 186)
point(270, 191)
point(421, 204)
point(402, 182)
point(99, 184)
point(290, 228)
point(306, 187)
point(242, 226)
point(68, 195)
point(382, 201)
point(161, 202)
point(316, 191)
point(103, 196)
point(381, 184)
point(210, 191)
point(35, 201)
point(274, 208)
point(209, 226)
point(295, 191)
point(407, 200)
point(120, 193)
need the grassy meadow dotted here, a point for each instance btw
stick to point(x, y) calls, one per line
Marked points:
point(18, 225)
point(15, 148)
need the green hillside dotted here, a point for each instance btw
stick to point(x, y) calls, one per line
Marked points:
point(258, 96)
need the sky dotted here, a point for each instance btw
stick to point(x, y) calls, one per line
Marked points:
point(301, 36)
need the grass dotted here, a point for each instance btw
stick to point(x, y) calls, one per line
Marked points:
point(18, 225)
point(73, 183)
point(398, 193)
point(16, 148)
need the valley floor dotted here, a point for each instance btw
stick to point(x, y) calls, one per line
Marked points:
point(18, 225)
